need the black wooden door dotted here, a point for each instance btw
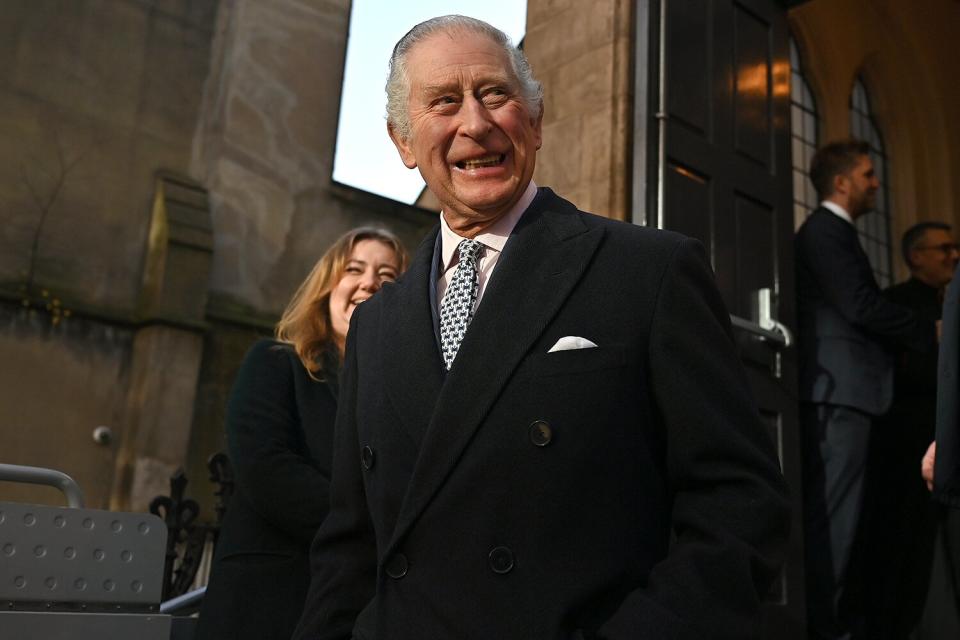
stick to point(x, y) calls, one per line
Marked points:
point(713, 86)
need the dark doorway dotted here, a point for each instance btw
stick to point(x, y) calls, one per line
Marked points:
point(713, 162)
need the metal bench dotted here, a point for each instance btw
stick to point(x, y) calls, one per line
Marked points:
point(72, 572)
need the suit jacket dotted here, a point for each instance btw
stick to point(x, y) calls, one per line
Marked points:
point(946, 487)
point(846, 326)
point(624, 491)
point(280, 436)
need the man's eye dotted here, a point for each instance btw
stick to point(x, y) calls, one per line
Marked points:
point(494, 96)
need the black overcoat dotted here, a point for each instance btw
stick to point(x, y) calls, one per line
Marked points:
point(527, 494)
point(280, 435)
point(947, 470)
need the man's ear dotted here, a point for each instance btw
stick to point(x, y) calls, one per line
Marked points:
point(538, 127)
point(841, 183)
point(403, 147)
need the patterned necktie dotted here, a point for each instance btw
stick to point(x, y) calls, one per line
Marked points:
point(456, 310)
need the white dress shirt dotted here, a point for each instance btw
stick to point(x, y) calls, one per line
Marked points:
point(493, 239)
point(837, 209)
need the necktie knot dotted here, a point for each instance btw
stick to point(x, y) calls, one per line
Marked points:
point(469, 250)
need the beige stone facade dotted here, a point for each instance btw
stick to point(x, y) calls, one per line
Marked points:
point(582, 52)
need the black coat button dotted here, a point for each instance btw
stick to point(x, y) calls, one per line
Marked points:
point(366, 458)
point(540, 433)
point(501, 560)
point(397, 566)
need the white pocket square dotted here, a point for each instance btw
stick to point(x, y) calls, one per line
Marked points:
point(567, 343)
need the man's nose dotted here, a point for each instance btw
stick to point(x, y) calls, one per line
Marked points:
point(476, 119)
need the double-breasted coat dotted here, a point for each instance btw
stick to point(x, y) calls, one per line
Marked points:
point(623, 491)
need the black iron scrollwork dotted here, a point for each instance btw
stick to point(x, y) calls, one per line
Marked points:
point(186, 537)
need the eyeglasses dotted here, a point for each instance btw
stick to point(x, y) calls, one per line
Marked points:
point(946, 247)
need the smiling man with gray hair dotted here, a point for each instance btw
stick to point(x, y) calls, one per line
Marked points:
point(544, 431)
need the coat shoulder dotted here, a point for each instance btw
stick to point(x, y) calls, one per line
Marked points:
point(634, 240)
point(267, 352)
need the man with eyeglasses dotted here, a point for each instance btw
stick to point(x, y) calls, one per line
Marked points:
point(900, 521)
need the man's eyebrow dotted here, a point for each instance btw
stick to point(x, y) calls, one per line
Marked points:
point(455, 86)
point(443, 87)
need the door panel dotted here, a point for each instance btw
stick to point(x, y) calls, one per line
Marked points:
point(752, 96)
point(723, 155)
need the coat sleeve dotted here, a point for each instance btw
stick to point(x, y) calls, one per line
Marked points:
point(946, 473)
point(343, 556)
point(267, 448)
point(848, 286)
point(730, 514)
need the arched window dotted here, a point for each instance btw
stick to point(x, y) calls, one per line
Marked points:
point(803, 126)
point(874, 227)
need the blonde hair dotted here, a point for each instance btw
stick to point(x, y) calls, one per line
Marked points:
point(305, 323)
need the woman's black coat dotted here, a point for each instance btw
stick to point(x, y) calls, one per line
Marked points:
point(279, 433)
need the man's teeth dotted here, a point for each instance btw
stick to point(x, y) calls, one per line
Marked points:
point(489, 161)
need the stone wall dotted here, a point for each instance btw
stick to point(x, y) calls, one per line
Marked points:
point(96, 98)
point(165, 184)
point(582, 52)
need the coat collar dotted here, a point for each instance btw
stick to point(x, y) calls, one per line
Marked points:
point(546, 256)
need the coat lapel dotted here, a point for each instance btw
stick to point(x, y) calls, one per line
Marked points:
point(414, 370)
point(546, 256)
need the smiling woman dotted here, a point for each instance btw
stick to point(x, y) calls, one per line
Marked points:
point(365, 158)
point(280, 435)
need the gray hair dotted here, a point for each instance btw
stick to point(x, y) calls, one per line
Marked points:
point(398, 82)
point(913, 236)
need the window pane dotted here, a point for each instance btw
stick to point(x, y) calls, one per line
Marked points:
point(803, 124)
point(874, 227)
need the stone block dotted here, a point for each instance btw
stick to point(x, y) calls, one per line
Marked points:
point(560, 162)
point(582, 83)
point(568, 34)
point(176, 273)
point(68, 379)
point(175, 66)
point(164, 365)
point(83, 57)
point(251, 217)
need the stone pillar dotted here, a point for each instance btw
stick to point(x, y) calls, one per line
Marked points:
point(168, 348)
point(582, 52)
point(264, 146)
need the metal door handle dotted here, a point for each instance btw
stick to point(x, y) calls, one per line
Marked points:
point(763, 324)
point(779, 335)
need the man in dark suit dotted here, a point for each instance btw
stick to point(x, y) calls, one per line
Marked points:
point(544, 431)
point(900, 521)
point(846, 327)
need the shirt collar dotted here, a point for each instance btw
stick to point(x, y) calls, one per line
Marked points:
point(837, 209)
point(494, 237)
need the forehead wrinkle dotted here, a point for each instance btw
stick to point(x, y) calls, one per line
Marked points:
point(464, 78)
